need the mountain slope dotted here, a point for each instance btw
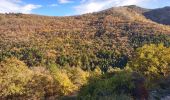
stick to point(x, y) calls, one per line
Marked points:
point(122, 29)
point(106, 52)
point(127, 20)
point(161, 15)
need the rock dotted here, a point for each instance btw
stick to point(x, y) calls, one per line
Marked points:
point(166, 98)
point(161, 94)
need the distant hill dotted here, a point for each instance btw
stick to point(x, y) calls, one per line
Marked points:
point(119, 24)
point(161, 15)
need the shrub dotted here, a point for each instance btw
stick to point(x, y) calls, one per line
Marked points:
point(106, 86)
point(77, 76)
point(65, 86)
point(17, 81)
point(97, 72)
point(152, 61)
point(113, 58)
point(32, 56)
point(62, 60)
point(110, 97)
point(41, 86)
point(14, 75)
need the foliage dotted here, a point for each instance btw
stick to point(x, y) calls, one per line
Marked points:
point(85, 62)
point(77, 76)
point(41, 85)
point(14, 75)
point(32, 56)
point(65, 86)
point(16, 79)
point(70, 50)
point(109, 58)
point(110, 97)
point(108, 85)
point(62, 60)
point(151, 60)
point(138, 40)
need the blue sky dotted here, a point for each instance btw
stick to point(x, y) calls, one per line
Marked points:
point(71, 7)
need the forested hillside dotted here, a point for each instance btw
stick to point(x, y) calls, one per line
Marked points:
point(110, 55)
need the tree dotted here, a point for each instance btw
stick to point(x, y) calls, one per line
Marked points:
point(32, 56)
point(85, 62)
point(152, 61)
point(14, 75)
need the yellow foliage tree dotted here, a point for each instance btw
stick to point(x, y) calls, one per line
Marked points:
point(14, 75)
point(152, 61)
point(65, 86)
point(77, 76)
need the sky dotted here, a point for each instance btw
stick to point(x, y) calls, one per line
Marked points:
point(72, 7)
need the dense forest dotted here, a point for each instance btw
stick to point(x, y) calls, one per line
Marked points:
point(115, 54)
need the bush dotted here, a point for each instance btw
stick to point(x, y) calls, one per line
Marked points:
point(110, 97)
point(41, 86)
point(65, 86)
point(113, 58)
point(17, 81)
point(14, 75)
point(107, 85)
point(77, 76)
point(32, 56)
point(152, 61)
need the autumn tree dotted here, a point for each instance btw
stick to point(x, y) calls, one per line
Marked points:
point(152, 61)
